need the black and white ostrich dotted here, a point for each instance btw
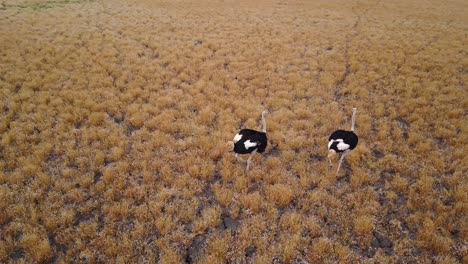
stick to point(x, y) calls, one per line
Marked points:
point(342, 141)
point(250, 141)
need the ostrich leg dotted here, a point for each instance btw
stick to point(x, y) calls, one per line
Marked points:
point(250, 159)
point(239, 158)
point(341, 160)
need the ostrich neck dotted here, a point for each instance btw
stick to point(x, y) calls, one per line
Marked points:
point(352, 121)
point(264, 123)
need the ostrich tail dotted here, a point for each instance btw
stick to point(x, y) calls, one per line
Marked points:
point(230, 146)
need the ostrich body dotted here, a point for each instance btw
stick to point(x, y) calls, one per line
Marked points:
point(251, 141)
point(342, 141)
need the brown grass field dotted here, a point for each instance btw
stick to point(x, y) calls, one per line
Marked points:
point(114, 118)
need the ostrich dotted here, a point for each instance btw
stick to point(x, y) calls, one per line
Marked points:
point(342, 141)
point(250, 141)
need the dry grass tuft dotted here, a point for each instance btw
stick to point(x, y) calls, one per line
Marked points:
point(363, 225)
point(280, 194)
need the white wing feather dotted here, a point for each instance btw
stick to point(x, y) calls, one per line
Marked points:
point(249, 144)
point(342, 146)
point(237, 137)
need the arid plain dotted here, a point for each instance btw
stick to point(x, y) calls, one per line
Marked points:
point(114, 118)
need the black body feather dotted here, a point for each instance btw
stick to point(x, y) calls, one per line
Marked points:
point(348, 137)
point(257, 137)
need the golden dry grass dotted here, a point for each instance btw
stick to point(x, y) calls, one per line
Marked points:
point(114, 119)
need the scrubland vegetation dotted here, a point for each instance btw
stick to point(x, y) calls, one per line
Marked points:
point(114, 118)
